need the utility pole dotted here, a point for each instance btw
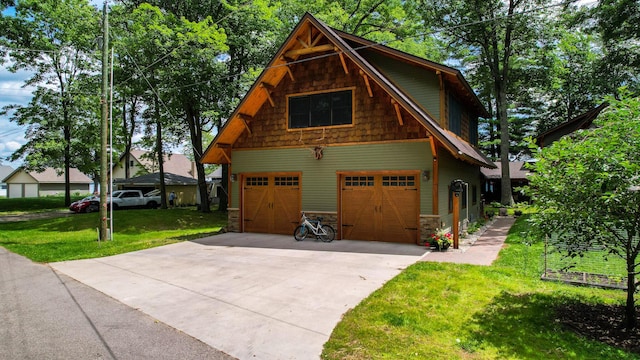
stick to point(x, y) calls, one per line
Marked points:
point(104, 124)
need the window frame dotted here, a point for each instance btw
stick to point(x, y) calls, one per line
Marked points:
point(317, 93)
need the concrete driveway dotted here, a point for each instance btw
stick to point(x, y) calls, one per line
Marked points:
point(253, 296)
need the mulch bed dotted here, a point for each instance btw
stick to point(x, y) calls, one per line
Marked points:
point(604, 323)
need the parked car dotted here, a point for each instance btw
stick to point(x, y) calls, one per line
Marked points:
point(86, 205)
point(134, 199)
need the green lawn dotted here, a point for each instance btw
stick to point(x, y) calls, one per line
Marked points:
point(450, 311)
point(75, 236)
point(429, 311)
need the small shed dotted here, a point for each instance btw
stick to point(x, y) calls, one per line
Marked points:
point(186, 188)
point(23, 184)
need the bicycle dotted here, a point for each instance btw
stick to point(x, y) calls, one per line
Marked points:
point(323, 232)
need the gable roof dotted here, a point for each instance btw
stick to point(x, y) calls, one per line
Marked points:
point(582, 121)
point(177, 164)
point(154, 179)
point(5, 171)
point(293, 47)
point(517, 171)
point(50, 176)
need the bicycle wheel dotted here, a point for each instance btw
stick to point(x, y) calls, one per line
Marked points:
point(327, 233)
point(300, 233)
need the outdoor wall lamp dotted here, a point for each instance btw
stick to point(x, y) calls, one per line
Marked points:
point(234, 177)
point(426, 175)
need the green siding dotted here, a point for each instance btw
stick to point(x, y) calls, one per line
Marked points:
point(452, 169)
point(420, 84)
point(319, 178)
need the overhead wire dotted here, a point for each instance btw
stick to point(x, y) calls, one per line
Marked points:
point(140, 70)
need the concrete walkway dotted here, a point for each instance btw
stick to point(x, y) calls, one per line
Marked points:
point(258, 296)
point(483, 251)
point(252, 296)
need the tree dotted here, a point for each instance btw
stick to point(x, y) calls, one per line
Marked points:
point(55, 40)
point(587, 188)
point(497, 37)
point(617, 23)
point(176, 58)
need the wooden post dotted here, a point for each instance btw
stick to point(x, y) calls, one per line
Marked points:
point(456, 218)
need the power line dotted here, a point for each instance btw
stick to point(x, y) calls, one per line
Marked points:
point(312, 58)
point(383, 43)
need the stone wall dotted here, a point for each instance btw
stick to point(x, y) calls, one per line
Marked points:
point(233, 215)
point(428, 226)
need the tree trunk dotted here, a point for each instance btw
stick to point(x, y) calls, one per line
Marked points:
point(67, 163)
point(159, 152)
point(195, 130)
point(506, 197)
point(631, 319)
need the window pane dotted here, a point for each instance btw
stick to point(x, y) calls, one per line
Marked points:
point(299, 112)
point(341, 106)
point(320, 106)
point(326, 109)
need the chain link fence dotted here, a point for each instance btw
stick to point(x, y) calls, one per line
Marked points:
point(590, 265)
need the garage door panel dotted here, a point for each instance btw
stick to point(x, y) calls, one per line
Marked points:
point(358, 204)
point(399, 220)
point(287, 209)
point(388, 212)
point(256, 204)
point(271, 204)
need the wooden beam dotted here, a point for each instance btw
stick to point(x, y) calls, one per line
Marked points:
point(317, 39)
point(366, 82)
point(246, 119)
point(303, 43)
point(267, 89)
point(443, 117)
point(434, 190)
point(309, 50)
point(398, 113)
point(344, 64)
point(290, 73)
point(227, 156)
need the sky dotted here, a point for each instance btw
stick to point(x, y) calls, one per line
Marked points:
point(12, 136)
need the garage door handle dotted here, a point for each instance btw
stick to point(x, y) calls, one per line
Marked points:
point(347, 225)
point(413, 229)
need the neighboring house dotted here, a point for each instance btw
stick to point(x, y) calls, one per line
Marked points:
point(141, 163)
point(4, 172)
point(23, 184)
point(186, 188)
point(582, 121)
point(492, 181)
point(368, 137)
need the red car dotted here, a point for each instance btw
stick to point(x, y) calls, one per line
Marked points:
point(86, 205)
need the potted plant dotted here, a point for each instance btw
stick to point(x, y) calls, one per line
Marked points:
point(441, 239)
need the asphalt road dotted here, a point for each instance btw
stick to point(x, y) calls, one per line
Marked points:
point(47, 315)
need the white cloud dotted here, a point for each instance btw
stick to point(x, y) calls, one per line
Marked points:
point(12, 145)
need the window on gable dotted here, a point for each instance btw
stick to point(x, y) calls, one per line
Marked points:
point(473, 130)
point(317, 110)
point(455, 116)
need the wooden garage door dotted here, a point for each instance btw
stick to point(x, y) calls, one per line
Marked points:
point(382, 207)
point(271, 203)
